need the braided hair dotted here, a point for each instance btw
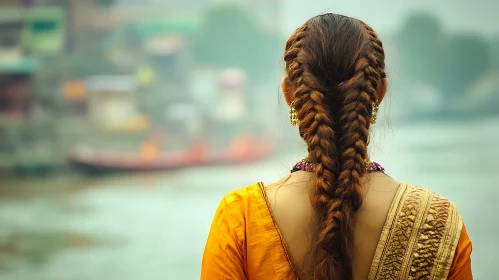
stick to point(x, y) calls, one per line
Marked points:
point(335, 64)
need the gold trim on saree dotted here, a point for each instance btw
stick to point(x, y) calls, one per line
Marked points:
point(419, 237)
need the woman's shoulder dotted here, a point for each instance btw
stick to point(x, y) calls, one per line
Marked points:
point(244, 194)
point(426, 197)
point(425, 226)
point(434, 217)
point(239, 201)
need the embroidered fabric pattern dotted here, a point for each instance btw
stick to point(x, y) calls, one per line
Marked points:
point(420, 239)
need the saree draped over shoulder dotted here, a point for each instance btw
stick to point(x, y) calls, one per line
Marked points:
point(423, 238)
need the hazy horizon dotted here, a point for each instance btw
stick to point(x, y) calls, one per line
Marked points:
point(387, 16)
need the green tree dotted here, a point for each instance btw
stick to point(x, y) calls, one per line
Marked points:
point(420, 43)
point(450, 62)
point(494, 48)
point(230, 37)
point(465, 59)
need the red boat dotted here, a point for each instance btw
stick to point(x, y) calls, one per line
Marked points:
point(243, 150)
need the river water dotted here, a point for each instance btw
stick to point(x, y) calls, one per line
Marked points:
point(153, 226)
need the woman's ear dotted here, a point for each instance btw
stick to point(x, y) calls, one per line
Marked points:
point(287, 89)
point(382, 87)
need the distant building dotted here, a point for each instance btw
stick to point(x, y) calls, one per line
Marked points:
point(106, 14)
point(26, 35)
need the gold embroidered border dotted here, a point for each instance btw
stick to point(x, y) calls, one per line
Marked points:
point(419, 237)
point(395, 207)
point(445, 256)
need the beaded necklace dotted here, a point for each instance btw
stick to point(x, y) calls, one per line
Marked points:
point(306, 165)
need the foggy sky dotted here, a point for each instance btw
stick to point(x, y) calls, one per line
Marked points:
point(476, 16)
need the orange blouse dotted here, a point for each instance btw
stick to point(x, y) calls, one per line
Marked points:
point(245, 243)
point(461, 264)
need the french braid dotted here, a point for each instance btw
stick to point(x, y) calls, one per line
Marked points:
point(337, 138)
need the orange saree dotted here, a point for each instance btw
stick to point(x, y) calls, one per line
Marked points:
point(423, 238)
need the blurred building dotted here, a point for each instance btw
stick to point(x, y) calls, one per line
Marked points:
point(25, 36)
point(106, 14)
point(29, 34)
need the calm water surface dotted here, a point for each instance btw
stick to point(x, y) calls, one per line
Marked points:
point(153, 226)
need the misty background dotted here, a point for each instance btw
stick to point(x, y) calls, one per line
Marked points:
point(124, 122)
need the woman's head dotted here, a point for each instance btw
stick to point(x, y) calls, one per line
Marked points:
point(335, 75)
point(327, 47)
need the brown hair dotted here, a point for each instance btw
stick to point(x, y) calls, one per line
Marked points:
point(335, 64)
